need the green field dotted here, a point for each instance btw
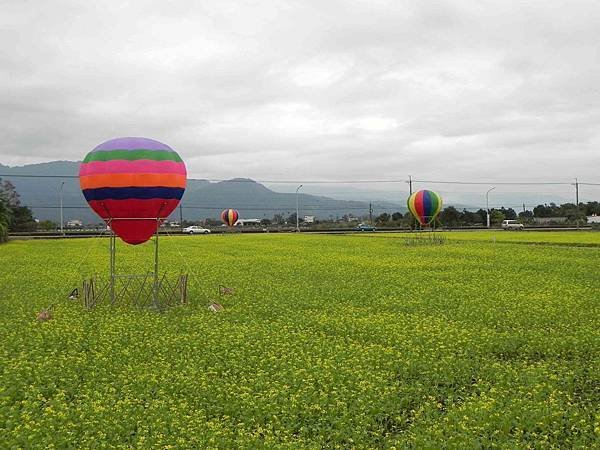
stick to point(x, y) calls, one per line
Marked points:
point(329, 341)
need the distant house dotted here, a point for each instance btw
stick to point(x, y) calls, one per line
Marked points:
point(242, 222)
point(74, 223)
point(593, 219)
point(549, 220)
point(309, 219)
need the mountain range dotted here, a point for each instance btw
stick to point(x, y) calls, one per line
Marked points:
point(41, 189)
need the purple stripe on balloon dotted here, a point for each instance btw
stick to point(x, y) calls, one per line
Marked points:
point(132, 143)
point(139, 166)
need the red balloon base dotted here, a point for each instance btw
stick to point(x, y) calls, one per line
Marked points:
point(134, 220)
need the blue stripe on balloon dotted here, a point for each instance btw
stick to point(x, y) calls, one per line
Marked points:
point(141, 193)
point(427, 205)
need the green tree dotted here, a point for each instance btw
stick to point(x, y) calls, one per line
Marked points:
point(592, 208)
point(47, 225)
point(572, 212)
point(18, 218)
point(5, 213)
point(509, 213)
point(481, 216)
point(449, 216)
point(382, 219)
point(10, 194)
point(5, 216)
point(22, 219)
point(551, 210)
point(526, 216)
point(496, 216)
point(468, 217)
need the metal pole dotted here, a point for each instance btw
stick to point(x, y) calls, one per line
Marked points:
point(577, 200)
point(487, 204)
point(112, 244)
point(155, 290)
point(370, 213)
point(180, 217)
point(62, 231)
point(413, 222)
point(297, 218)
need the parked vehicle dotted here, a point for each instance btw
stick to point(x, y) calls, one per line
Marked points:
point(364, 227)
point(512, 225)
point(194, 229)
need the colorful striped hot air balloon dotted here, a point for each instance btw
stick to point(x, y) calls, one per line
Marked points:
point(425, 206)
point(130, 183)
point(230, 217)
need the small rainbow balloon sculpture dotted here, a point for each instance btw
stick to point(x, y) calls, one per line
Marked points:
point(425, 206)
point(230, 217)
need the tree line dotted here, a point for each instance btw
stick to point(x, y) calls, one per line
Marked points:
point(16, 217)
point(452, 217)
point(13, 215)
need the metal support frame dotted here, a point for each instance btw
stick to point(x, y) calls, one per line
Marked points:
point(132, 287)
point(155, 286)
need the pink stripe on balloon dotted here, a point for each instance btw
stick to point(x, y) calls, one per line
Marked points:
point(139, 166)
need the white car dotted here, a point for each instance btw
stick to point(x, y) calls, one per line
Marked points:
point(196, 230)
point(512, 225)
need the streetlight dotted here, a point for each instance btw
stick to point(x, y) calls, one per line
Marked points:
point(487, 204)
point(297, 226)
point(61, 208)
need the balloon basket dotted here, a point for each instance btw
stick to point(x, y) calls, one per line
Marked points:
point(139, 291)
point(151, 289)
point(425, 237)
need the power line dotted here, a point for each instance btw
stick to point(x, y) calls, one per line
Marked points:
point(284, 208)
point(488, 183)
point(244, 180)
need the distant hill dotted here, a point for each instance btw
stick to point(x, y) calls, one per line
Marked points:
point(202, 198)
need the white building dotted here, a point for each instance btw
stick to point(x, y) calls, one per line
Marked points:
point(309, 219)
point(74, 223)
point(242, 222)
point(593, 219)
point(549, 220)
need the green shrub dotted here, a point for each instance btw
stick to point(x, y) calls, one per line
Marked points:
point(3, 232)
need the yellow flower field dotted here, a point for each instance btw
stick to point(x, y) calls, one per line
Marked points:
point(340, 341)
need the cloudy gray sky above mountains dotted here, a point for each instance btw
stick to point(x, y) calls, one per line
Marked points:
point(334, 90)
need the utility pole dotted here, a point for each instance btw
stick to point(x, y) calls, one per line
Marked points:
point(371, 213)
point(413, 220)
point(62, 231)
point(523, 207)
point(180, 217)
point(487, 204)
point(297, 219)
point(577, 200)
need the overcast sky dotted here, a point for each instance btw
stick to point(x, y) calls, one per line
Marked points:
point(505, 90)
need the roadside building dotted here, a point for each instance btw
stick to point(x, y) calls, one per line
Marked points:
point(244, 222)
point(549, 220)
point(593, 219)
point(74, 223)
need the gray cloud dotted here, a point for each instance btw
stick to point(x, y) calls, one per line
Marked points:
point(310, 89)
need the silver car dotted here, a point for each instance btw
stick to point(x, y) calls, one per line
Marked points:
point(512, 225)
point(194, 229)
